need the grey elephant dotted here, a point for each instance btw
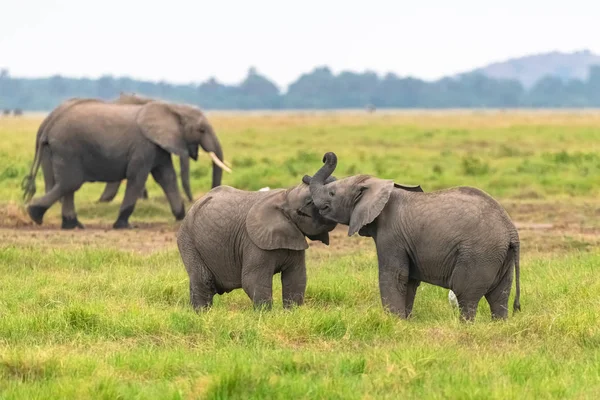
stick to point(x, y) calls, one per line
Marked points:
point(111, 189)
point(233, 239)
point(91, 140)
point(458, 238)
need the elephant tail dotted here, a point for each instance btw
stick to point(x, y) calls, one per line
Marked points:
point(516, 256)
point(28, 183)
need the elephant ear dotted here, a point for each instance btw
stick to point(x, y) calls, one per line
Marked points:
point(374, 195)
point(415, 188)
point(163, 126)
point(270, 229)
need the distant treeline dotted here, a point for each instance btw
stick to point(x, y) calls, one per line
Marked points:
point(320, 89)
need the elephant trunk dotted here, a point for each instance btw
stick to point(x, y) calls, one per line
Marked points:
point(211, 145)
point(319, 179)
point(217, 171)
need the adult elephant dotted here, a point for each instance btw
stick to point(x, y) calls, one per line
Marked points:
point(459, 238)
point(112, 188)
point(92, 140)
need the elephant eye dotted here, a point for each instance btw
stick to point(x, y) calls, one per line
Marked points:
point(331, 193)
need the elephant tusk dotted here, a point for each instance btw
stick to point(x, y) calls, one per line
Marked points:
point(218, 162)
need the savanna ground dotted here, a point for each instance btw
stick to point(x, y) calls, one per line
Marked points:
point(105, 314)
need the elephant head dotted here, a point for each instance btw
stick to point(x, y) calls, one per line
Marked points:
point(285, 217)
point(180, 129)
point(354, 201)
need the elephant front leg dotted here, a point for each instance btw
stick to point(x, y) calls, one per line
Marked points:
point(293, 283)
point(393, 281)
point(257, 282)
point(411, 292)
point(134, 187)
point(166, 177)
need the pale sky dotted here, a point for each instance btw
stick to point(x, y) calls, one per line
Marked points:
point(190, 41)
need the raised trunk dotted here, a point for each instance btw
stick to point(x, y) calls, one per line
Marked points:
point(318, 180)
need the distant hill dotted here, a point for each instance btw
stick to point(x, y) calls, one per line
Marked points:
point(529, 69)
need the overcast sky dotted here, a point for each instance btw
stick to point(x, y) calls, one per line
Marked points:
point(190, 41)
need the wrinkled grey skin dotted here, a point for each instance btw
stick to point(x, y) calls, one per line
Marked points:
point(119, 141)
point(233, 239)
point(459, 238)
point(112, 188)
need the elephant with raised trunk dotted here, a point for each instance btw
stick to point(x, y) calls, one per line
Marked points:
point(233, 239)
point(96, 141)
point(458, 238)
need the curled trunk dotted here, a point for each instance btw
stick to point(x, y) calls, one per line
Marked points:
point(319, 179)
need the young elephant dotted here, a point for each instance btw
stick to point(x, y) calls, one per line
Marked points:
point(233, 239)
point(459, 238)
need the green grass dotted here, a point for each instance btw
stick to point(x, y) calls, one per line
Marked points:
point(103, 314)
point(106, 323)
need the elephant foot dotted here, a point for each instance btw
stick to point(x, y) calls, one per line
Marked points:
point(122, 224)
point(36, 213)
point(104, 200)
point(71, 223)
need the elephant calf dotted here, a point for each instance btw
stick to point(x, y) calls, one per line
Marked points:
point(231, 239)
point(458, 238)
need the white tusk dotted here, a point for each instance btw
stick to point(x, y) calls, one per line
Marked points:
point(218, 162)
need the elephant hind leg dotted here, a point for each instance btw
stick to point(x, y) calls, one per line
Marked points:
point(37, 209)
point(202, 283)
point(46, 164)
point(69, 216)
point(497, 298)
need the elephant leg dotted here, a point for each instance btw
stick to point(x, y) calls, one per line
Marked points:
point(69, 178)
point(46, 164)
point(144, 193)
point(497, 298)
point(411, 292)
point(202, 283)
point(38, 208)
point(69, 216)
point(184, 170)
point(393, 280)
point(110, 191)
point(293, 283)
point(166, 177)
point(134, 187)
point(471, 279)
point(257, 282)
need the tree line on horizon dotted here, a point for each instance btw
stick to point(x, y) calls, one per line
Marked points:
point(319, 89)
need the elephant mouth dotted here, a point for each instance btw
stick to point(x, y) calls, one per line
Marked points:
point(325, 209)
point(303, 214)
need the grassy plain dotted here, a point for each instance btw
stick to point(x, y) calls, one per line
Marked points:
point(104, 314)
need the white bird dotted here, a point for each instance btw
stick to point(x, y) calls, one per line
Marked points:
point(265, 189)
point(452, 299)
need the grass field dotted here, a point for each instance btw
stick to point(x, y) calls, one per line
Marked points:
point(105, 314)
